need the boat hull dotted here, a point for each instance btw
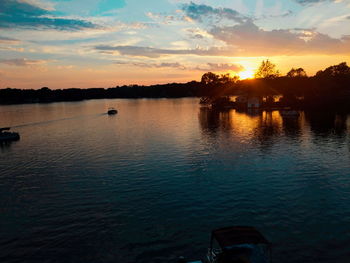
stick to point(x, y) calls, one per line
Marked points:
point(112, 112)
point(9, 136)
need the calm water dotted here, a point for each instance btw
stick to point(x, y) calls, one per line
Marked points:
point(149, 184)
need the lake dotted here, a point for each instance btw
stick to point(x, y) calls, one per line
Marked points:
point(150, 183)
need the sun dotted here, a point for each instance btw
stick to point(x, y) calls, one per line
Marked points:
point(246, 74)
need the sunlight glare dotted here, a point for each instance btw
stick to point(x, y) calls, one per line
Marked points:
point(247, 74)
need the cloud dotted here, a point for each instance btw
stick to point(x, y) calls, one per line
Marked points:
point(314, 1)
point(245, 38)
point(223, 67)
point(196, 33)
point(282, 14)
point(19, 49)
point(200, 12)
point(152, 65)
point(7, 40)
point(249, 36)
point(163, 18)
point(29, 15)
point(216, 67)
point(249, 39)
point(22, 62)
point(48, 6)
point(158, 52)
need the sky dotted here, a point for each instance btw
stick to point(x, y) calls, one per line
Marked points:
point(104, 43)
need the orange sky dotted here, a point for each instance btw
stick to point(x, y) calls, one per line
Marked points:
point(107, 43)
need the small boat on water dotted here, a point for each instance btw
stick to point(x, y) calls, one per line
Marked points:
point(5, 135)
point(112, 111)
point(239, 244)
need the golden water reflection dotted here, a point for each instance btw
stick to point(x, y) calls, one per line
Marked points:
point(265, 127)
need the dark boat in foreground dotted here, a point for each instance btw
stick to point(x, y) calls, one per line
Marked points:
point(5, 135)
point(238, 244)
point(112, 111)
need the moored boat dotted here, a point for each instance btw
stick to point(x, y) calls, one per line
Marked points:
point(5, 135)
point(112, 111)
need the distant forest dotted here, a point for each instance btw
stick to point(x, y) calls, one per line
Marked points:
point(328, 88)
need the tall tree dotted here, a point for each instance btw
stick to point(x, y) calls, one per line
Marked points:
point(267, 70)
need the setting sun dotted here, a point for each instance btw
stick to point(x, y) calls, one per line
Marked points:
point(247, 74)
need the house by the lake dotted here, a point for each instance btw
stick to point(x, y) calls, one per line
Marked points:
point(250, 102)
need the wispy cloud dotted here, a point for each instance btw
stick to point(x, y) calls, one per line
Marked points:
point(216, 67)
point(316, 1)
point(176, 65)
point(46, 5)
point(17, 49)
point(22, 62)
point(30, 15)
point(251, 40)
point(150, 52)
point(283, 14)
point(7, 40)
point(199, 12)
point(220, 67)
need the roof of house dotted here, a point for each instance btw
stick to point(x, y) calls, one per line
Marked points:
point(4, 129)
point(235, 235)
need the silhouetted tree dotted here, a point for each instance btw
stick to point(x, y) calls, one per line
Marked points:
point(267, 70)
point(226, 78)
point(296, 73)
point(210, 78)
point(341, 69)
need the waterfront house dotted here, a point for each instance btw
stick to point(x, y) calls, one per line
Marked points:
point(250, 102)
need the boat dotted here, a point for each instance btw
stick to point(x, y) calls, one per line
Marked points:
point(112, 111)
point(5, 135)
point(239, 244)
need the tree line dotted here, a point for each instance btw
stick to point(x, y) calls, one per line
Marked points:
point(45, 95)
point(328, 88)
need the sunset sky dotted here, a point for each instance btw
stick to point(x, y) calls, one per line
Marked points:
point(104, 43)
